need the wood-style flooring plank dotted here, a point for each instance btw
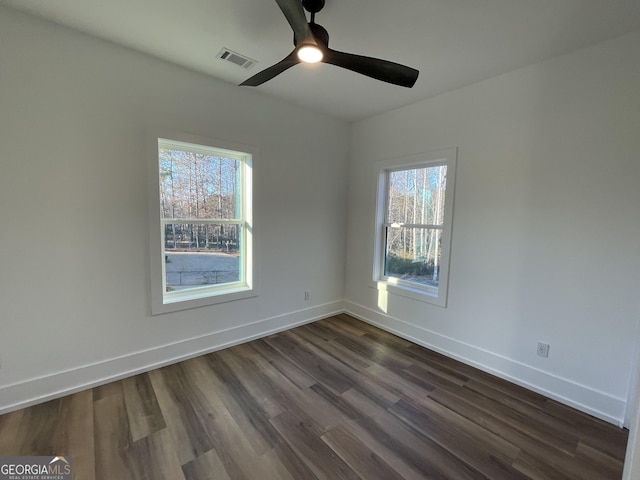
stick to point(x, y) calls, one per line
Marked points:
point(76, 433)
point(247, 364)
point(515, 420)
point(535, 451)
point(112, 438)
point(599, 463)
point(187, 434)
point(306, 403)
point(301, 354)
point(433, 418)
point(476, 452)
point(417, 450)
point(244, 408)
point(537, 469)
point(365, 463)
point(281, 363)
point(591, 431)
point(345, 324)
point(317, 455)
point(58, 427)
point(10, 433)
point(295, 465)
point(397, 382)
point(38, 428)
point(145, 416)
point(509, 390)
point(339, 353)
point(207, 466)
point(384, 349)
point(155, 458)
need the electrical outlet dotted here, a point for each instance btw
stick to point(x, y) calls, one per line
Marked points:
point(543, 349)
point(307, 296)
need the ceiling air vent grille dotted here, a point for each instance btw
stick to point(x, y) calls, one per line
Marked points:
point(236, 58)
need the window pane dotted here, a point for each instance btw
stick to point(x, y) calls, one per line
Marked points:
point(413, 254)
point(201, 254)
point(416, 196)
point(195, 185)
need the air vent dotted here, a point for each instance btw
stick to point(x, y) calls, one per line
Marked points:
point(236, 58)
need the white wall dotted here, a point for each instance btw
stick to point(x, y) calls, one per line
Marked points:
point(545, 229)
point(74, 273)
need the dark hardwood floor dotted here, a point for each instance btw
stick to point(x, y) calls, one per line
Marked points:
point(336, 399)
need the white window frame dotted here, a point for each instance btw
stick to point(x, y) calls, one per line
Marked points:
point(246, 287)
point(424, 293)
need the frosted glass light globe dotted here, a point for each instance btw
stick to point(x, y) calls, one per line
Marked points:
point(310, 54)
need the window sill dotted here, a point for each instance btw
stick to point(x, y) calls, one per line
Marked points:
point(197, 299)
point(414, 293)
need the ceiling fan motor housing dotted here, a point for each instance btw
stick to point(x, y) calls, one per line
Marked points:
point(320, 33)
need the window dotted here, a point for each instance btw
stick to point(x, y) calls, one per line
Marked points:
point(413, 228)
point(202, 224)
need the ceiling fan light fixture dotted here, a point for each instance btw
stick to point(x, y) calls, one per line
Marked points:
point(309, 53)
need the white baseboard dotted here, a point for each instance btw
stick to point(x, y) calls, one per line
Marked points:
point(586, 399)
point(41, 389)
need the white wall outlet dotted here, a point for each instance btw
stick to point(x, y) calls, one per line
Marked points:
point(307, 296)
point(543, 349)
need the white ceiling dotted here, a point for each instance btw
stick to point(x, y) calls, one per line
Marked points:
point(452, 42)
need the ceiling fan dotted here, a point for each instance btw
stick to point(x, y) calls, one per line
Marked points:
point(312, 45)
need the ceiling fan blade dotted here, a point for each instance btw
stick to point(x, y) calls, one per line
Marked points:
point(383, 70)
point(294, 14)
point(270, 72)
